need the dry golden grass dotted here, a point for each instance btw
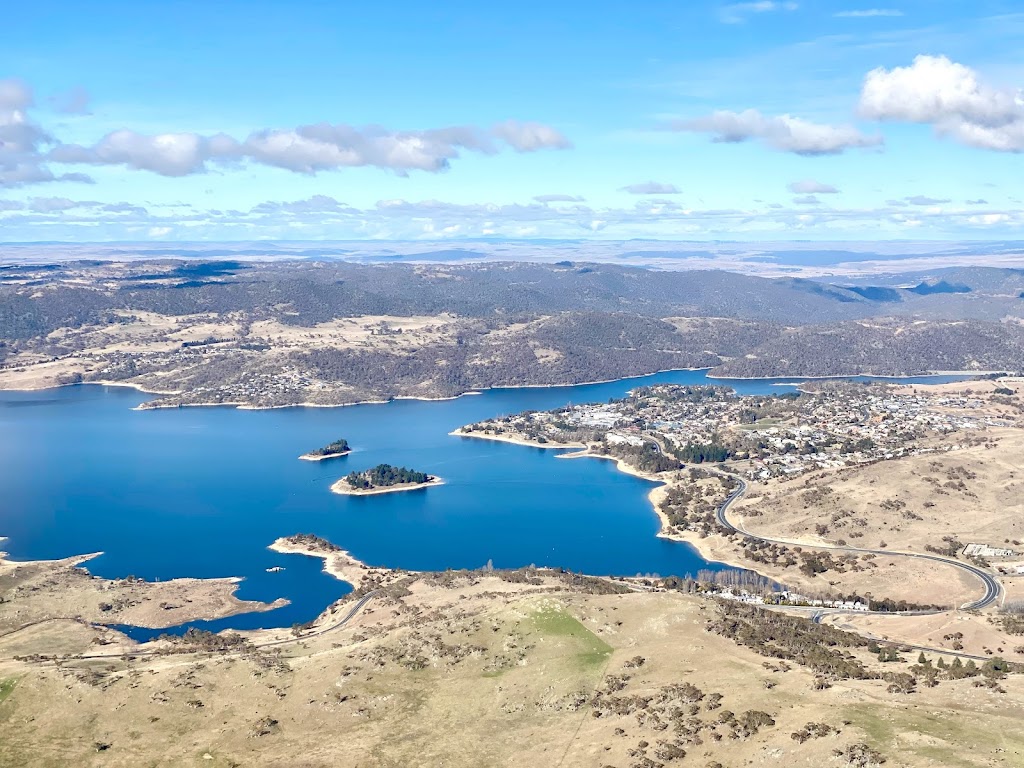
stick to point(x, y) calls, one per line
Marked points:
point(973, 494)
point(476, 671)
point(45, 590)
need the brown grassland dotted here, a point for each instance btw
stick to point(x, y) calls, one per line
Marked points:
point(487, 669)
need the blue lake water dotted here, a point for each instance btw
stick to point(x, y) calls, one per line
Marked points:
point(202, 492)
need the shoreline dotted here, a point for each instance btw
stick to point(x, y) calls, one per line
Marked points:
point(324, 456)
point(246, 406)
point(521, 441)
point(72, 560)
point(339, 563)
point(226, 605)
point(804, 379)
point(654, 496)
point(342, 488)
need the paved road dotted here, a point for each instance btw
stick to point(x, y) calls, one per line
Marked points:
point(989, 581)
point(819, 615)
point(991, 585)
point(324, 630)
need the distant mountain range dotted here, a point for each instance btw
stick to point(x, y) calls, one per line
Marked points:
point(504, 323)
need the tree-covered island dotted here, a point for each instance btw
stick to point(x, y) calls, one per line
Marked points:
point(384, 478)
point(329, 451)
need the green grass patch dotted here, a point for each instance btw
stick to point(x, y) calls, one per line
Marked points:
point(963, 736)
point(6, 687)
point(556, 622)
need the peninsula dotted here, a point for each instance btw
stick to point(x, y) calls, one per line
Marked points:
point(329, 451)
point(384, 478)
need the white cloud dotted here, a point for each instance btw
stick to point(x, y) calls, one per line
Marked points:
point(989, 219)
point(737, 13)
point(949, 96)
point(52, 204)
point(27, 150)
point(784, 132)
point(530, 137)
point(650, 188)
point(321, 147)
point(168, 154)
point(308, 149)
point(869, 13)
point(324, 217)
point(811, 187)
point(22, 140)
point(558, 199)
point(925, 200)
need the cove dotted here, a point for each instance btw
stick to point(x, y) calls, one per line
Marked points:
point(202, 492)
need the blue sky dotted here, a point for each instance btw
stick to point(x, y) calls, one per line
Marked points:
point(307, 120)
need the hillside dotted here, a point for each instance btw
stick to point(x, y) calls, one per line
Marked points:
point(275, 333)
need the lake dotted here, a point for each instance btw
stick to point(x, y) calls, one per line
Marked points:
point(202, 492)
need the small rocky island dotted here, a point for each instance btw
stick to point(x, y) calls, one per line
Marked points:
point(330, 451)
point(384, 478)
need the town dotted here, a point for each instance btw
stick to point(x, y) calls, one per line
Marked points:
point(825, 426)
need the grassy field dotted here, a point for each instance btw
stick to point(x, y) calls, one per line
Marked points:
point(474, 670)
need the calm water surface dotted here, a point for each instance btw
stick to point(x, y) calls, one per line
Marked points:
point(202, 492)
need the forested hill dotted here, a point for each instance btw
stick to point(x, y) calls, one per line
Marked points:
point(307, 293)
point(305, 331)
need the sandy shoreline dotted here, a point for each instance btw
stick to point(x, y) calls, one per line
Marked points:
point(73, 560)
point(343, 488)
point(515, 440)
point(324, 456)
point(337, 562)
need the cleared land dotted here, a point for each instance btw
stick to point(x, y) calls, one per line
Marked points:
point(516, 669)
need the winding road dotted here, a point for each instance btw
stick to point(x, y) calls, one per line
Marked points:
point(989, 581)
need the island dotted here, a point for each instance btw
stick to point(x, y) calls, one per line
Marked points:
point(329, 451)
point(384, 478)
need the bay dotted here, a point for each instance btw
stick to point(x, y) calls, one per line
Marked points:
point(202, 492)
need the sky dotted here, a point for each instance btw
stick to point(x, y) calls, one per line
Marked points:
point(689, 120)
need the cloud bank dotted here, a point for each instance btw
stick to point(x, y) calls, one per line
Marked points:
point(27, 150)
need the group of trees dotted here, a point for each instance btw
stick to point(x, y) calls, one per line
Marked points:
point(894, 347)
point(822, 648)
point(647, 457)
point(385, 476)
point(338, 446)
point(698, 453)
